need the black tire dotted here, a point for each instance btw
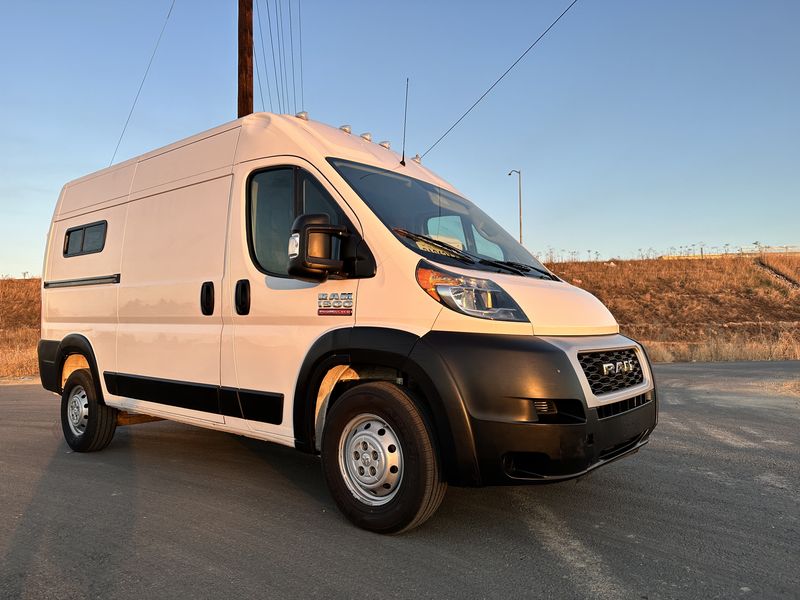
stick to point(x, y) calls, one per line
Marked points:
point(421, 488)
point(88, 425)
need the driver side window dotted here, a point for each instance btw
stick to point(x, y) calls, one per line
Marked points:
point(276, 197)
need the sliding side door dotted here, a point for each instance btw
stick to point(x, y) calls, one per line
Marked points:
point(170, 323)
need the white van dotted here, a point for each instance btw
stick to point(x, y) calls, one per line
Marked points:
point(405, 336)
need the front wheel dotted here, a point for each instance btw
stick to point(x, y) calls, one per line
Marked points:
point(380, 459)
point(88, 425)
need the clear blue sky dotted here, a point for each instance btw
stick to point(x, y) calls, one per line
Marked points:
point(636, 124)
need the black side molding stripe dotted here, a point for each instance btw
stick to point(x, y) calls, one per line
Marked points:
point(265, 407)
point(261, 406)
point(196, 396)
point(83, 281)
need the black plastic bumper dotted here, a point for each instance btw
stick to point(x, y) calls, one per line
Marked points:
point(499, 378)
point(541, 453)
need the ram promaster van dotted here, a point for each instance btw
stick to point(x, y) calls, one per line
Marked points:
point(289, 281)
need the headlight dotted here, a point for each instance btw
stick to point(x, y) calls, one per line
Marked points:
point(481, 298)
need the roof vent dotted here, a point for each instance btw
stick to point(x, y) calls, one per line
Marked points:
point(385, 144)
point(366, 136)
point(346, 128)
point(302, 115)
point(417, 159)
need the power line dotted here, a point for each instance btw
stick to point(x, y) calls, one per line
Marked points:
point(258, 78)
point(291, 47)
point(282, 54)
point(300, 41)
point(139, 91)
point(274, 64)
point(264, 57)
point(514, 64)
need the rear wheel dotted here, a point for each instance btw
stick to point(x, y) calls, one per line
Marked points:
point(88, 425)
point(380, 459)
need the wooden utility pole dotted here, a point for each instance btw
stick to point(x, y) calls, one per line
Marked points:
point(245, 57)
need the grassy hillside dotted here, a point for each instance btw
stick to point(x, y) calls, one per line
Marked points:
point(788, 265)
point(687, 309)
point(19, 326)
point(718, 309)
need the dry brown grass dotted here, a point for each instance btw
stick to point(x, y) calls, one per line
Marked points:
point(18, 358)
point(787, 265)
point(19, 326)
point(719, 309)
point(703, 310)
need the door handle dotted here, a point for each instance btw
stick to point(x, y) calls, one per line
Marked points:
point(242, 297)
point(207, 298)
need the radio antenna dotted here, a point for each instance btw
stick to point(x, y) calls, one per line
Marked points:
point(405, 120)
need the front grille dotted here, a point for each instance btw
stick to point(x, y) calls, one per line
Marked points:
point(617, 408)
point(611, 370)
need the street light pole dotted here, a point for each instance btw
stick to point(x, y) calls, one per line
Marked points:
point(519, 180)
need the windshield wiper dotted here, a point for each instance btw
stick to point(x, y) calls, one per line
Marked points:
point(506, 265)
point(526, 268)
point(455, 252)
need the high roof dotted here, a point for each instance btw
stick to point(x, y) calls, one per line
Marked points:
point(326, 141)
point(267, 134)
point(214, 152)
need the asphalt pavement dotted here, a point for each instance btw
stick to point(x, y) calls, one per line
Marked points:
point(708, 509)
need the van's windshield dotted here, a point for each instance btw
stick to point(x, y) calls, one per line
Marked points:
point(438, 224)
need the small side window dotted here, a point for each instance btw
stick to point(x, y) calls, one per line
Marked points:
point(85, 239)
point(94, 238)
point(74, 242)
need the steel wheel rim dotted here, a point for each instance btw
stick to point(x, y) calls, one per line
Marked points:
point(371, 459)
point(78, 410)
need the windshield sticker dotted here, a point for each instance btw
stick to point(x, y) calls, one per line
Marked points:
point(335, 304)
point(428, 247)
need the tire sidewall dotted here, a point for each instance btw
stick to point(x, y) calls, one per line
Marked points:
point(83, 378)
point(407, 503)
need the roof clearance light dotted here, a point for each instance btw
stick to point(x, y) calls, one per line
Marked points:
point(366, 136)
point(346, 128)
point(302, 115)
point(386, 144)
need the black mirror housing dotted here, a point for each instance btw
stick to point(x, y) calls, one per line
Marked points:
point(310, 248)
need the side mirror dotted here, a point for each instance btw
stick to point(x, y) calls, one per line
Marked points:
point(311, 248)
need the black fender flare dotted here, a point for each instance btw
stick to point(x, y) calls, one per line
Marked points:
point(52, 355)
point(408, 354)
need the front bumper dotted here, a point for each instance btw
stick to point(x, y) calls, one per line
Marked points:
point(500, 380)
point(539, 452)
